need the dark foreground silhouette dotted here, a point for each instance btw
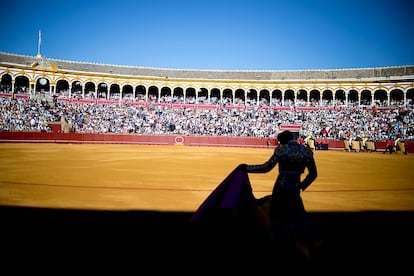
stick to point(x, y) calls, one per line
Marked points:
point(152, 242)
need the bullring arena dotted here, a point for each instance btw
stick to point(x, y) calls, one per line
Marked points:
point(131, 195)
point(107, 195)
point(179, 178)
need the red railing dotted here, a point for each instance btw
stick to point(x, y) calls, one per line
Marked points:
point(56, 136)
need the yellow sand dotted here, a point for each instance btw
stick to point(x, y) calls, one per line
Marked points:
point(179, 178)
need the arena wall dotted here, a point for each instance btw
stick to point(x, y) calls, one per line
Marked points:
point(179, 140)
point(71, 137)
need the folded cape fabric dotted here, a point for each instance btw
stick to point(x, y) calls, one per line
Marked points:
point(232, 197)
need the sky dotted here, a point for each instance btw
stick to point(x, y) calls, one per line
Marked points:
point(214, 34)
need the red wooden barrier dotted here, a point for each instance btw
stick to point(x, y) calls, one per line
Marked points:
point(56, 136)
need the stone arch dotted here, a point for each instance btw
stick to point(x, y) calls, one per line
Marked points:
point(90, 90)
point(410, 97)
point(396, 97)
point(165, 95)
point(277, 97)
point(153, 94)
point(203, 96)
point(353, 97)
point(264, 97)
point(42, 86)
point(77, 89)
point(327, 97)
point(239, 96)
point(114, 92)
point(62, 88)
point(314, 97)
point(215, 96)
point(140, 93)
point(366, 97)
point(6, 83)
point(127, 93)
point(340, 97)
point(251, 97)
point(180, 96)
point(380, 97)
point(302, 97)
point(227, 96)
point(102, 90)
point(289, 97)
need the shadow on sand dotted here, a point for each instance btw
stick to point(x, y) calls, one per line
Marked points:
point(159, 242)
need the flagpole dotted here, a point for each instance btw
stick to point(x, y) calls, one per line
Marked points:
point(38, 44)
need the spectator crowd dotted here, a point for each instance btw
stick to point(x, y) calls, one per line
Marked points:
point(24, 114)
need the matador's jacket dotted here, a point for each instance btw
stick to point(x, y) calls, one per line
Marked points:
point(292, 158)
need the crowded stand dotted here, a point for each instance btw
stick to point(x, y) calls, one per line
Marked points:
point(360, 104)
point(344, 123)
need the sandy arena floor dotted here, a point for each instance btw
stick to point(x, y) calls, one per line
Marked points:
point(179, 178)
